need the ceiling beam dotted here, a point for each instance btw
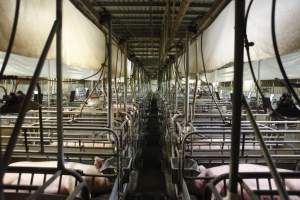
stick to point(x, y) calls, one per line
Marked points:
point(184, 6)
point(102, 3)
point(212, 14)
point(136, 18)
point(148, 12)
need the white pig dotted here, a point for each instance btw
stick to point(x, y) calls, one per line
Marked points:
point(199, 185)
point(96, 185)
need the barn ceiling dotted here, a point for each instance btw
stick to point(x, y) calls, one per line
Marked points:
point(148, 26)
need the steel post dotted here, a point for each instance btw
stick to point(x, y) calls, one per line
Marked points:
point(59, 98)
point(186, 111)
point(237, 96)
point(109, 73)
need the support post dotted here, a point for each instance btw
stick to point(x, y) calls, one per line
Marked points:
point(49, 85)
point(237, 96)
point(59, 99)
point(176, 79)
point(109, 73)
point(186, 113)
point(258, 81)
point(139, 82)
point(125, 80)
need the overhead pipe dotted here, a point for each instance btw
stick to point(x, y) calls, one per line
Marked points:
point(237, 96)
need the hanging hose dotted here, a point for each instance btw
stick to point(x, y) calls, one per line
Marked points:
point(91, 93)
point(11, 39)
point(177, 75)
point(204, 70)
point(118, 88)
point(14, 136)
point(247, 45)
point(194, 95)
point(277, 55)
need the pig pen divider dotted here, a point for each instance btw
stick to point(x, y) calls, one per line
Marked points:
point(60, 173)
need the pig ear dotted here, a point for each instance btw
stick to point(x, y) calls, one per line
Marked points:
point(201, 168)
point(98, 162)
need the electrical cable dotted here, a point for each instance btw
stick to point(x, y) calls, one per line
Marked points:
point(11, 39)
point(91, 93)
point(204, 70)
point(277, 55)
point(247, 45)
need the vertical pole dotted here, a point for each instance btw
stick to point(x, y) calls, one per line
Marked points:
point(258, 80)
point(109, 73)
point(59, 99)
point(237, 96)
point(49, 85)
point(125, 80)
point(176, 79)
point(187, 80)
point(169, 83)
point(139, 82)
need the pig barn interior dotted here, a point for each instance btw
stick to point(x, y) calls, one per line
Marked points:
point(149, 99)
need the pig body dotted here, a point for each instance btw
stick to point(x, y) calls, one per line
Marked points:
point(263, 184)
point(96, 184)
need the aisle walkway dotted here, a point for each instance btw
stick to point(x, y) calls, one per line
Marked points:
point(151, 181)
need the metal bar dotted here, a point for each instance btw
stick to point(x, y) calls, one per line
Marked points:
point(49, 86)
point(59, 99)
point(237, 96)
point(279, 185)
point(40, 101)
point(186, 111)
point(44, 186)
point(147, 4)
point(125, 79)
point(25, 140)
point(138, 81)
point(14, 136)
point(109, 73)
point(176, 91)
